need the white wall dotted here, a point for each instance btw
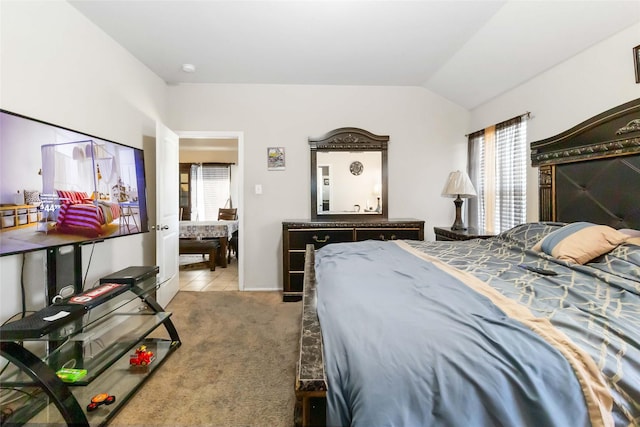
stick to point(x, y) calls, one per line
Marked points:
point(60, 68)
point(591, 82)
point(426, 142)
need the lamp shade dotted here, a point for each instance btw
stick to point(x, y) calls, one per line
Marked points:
point(458, 184)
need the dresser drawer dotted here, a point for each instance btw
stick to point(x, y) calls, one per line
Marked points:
point(387, 234)
point(296, 261)
point(296, 282)
point(298, 239)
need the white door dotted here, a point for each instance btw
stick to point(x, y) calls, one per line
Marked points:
point(167, 212)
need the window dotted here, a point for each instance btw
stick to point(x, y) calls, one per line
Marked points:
point(497, 168)
point(210, 190)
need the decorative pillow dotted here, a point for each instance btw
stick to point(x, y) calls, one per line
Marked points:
point(634, 235)
point(73, 196)
point(580, 242)
point(31, 197)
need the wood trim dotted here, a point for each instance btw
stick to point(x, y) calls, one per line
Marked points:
point(615, 132)
point(349, 139)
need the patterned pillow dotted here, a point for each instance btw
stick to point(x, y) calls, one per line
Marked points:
point(580, 242)
point(31, 197)
point(72, 196)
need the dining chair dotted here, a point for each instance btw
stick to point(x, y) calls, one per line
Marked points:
point(230, 214)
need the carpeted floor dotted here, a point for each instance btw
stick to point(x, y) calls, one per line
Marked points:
point(236, 365)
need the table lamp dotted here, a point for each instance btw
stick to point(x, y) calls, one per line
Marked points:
point(459, 186)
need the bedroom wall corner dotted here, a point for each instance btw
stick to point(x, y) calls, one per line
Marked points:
point(585, 85)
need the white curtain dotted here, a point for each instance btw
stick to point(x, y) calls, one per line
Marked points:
point(210, 190)
point(197, 194)
point(48, 168)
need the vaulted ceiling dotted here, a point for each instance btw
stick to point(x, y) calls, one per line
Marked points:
point(466, 51)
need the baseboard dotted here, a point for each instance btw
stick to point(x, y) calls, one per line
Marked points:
point(278, 289)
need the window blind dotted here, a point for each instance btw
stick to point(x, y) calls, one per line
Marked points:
point(511, 200)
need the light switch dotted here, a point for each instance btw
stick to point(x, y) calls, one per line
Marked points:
point(258, 189)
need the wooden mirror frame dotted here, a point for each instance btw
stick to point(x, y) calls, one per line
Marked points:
point(349, 139)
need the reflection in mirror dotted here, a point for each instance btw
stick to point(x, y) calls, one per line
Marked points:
point(349, 175)
point(324, 188)
point(359, 175)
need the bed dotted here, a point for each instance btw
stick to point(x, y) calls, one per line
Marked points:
point(460, 333)
point(79, 214)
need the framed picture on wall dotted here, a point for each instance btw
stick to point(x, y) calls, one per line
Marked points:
point(636, 62)
point(275, 158)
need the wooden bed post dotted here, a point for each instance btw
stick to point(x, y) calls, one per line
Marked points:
point(546, 193)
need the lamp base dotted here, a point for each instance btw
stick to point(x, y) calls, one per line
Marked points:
point(458, 224)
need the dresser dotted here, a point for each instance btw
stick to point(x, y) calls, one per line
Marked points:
point(296, 234)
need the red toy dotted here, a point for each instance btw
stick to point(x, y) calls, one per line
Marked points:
point(142, 357)
point(100, 399)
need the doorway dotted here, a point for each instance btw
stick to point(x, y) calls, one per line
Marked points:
point(216, 147)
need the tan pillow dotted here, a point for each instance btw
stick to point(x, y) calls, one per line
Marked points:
point(580, 242)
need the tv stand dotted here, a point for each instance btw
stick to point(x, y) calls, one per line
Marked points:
point(102, 342)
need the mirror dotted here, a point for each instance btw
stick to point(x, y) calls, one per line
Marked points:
point(349, 175)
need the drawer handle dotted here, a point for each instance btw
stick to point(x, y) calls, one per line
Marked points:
point(325, 240)
point(393, 237)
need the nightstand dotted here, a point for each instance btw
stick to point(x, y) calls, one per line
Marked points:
point(446, 233)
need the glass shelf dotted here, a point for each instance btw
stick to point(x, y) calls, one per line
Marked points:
point(119, 380)
point(97, 348)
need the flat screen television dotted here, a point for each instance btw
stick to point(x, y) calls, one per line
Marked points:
point(60, 187)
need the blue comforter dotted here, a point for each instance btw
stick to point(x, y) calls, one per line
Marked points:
point(408, 344)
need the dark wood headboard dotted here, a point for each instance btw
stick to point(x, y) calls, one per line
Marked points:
point(591, 172)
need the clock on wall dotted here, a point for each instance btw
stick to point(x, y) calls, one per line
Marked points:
point(356, 168)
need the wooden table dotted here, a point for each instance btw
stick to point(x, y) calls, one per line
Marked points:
point(222, 230)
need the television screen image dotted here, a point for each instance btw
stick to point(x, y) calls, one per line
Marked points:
point(59, 186)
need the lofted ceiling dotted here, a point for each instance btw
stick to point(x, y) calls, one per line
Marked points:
point(466, 51)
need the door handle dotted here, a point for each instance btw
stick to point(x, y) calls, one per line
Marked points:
point(159, 227)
